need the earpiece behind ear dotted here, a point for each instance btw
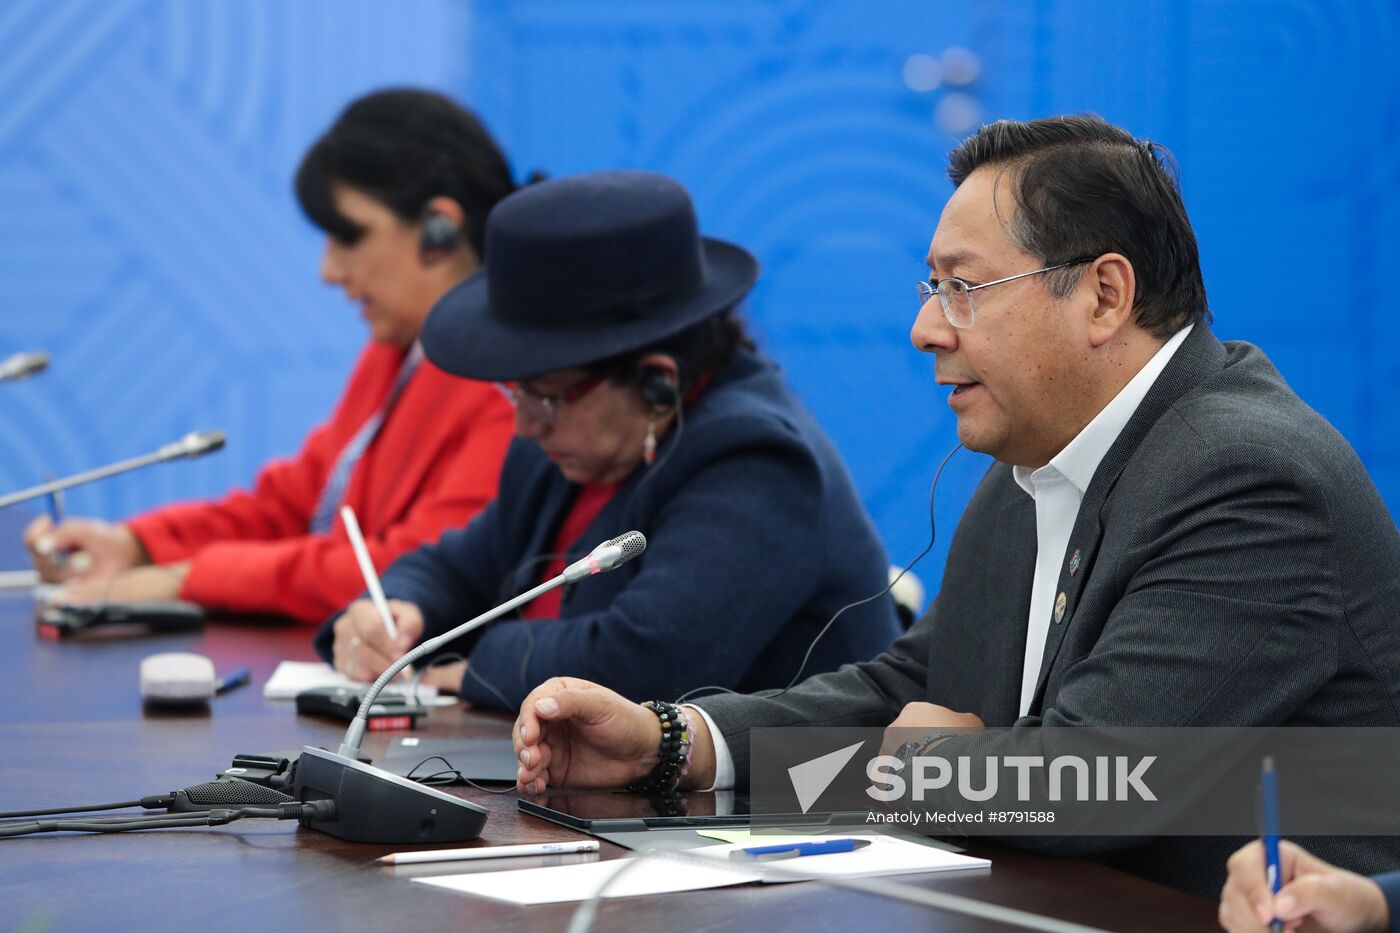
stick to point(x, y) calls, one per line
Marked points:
point(657, 389)
point(440, 234)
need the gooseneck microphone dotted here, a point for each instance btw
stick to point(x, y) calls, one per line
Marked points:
point(21, 365)
point(373, 805)
point(194, 444)
point(606, 556)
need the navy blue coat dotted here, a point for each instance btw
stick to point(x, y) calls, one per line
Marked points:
point(1390, 887)
point(755, 539)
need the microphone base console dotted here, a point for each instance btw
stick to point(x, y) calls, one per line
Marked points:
point(373, 805)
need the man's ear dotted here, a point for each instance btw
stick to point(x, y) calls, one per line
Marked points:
point(1113, 285)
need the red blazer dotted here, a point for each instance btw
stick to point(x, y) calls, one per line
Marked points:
point(432, 466)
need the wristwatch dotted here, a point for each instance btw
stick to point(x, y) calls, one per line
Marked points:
point(921, 746)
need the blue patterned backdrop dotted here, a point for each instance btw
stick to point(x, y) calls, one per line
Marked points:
point(149, 240)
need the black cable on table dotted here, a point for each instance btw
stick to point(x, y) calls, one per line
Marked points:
point(150, 803)
point(315, 809)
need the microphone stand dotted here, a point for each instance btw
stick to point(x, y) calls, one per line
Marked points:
point(192, 445)
point(374, 805)
point(355, 734)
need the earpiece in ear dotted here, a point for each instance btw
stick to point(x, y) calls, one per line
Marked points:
point(440, 234)
point(657, 389)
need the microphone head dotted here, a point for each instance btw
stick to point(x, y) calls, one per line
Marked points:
point(609, 555)
point(206, 442)
point(193, 444)
point(21, 365)
point(632, 543)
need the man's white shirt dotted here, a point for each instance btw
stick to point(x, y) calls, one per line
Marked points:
point(1058, 489)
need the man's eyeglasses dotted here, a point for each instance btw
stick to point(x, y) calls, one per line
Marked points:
point(955, 295)
point(545, 408)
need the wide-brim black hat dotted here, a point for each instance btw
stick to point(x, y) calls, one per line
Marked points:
point(581, 269)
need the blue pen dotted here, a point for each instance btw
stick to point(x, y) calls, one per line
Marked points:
point(56, 516)
point(798, 849)
point(1273, 867)
point(237, 679)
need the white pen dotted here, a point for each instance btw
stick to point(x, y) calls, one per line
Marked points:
point(376, 592)
point(453, 855)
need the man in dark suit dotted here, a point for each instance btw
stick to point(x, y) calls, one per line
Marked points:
point(1170, 537)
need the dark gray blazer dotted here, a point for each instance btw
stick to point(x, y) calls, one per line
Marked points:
point(1237, 568)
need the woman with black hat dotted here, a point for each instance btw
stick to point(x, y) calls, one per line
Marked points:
point(640, 403)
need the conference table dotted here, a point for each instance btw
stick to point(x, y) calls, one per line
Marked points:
point(73, 730)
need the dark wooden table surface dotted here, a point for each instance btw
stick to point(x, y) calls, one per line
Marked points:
point(73, 731)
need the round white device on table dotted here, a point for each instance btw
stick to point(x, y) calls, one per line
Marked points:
point(177, 678)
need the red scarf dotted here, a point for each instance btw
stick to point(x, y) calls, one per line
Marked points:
point(590, 502)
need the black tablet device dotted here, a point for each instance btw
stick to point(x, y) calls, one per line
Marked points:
point(486, 760)
point(64, 620)
point(389, 710)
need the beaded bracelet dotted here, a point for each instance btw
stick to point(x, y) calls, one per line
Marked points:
point(674, 761)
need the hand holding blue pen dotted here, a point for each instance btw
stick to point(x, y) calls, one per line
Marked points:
point(798, 849)
point(1315, 895)
point(1273, 866)
point(60, 557)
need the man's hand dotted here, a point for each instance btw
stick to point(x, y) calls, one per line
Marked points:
point(573, 733)
point(1315, 895)
point(917, 719)
point(363, 649)
point(109, 548)
point(148, 584)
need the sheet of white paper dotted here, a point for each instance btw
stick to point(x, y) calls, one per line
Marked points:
point(560, 883)
point(684, 871)
point(292, 677)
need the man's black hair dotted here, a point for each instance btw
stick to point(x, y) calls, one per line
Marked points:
point(1083, 187)
point(403, 147)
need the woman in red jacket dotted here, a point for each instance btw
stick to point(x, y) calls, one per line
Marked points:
point(401, 184)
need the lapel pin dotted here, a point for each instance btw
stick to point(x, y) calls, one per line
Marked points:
point(1074, 563)
point(1060, 608)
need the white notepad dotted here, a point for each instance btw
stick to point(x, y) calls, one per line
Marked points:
point(666, 873)
point(561, 883)
point(292, 677)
